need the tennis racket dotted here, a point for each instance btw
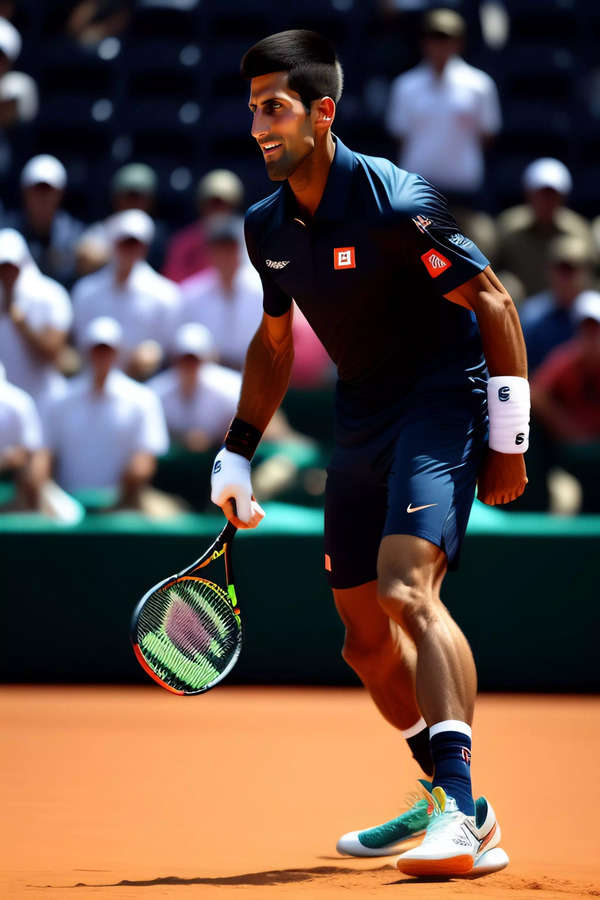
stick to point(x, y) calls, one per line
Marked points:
point(186, 631)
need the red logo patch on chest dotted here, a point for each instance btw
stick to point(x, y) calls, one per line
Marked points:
point(344, 258)
point(435, 262)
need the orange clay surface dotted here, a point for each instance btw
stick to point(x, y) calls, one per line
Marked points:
point(135, 793)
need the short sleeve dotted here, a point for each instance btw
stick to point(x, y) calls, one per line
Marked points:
point(435, 246)
point(491, 117)
point(275, 301)
point(152, 436)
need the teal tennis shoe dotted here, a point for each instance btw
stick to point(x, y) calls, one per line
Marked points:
point(389, 838)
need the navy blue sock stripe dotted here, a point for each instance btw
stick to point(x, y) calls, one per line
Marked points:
point(451, 752)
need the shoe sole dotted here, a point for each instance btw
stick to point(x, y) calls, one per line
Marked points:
point(491, 861)
point(357, 849)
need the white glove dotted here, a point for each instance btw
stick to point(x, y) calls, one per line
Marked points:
point(230, 480)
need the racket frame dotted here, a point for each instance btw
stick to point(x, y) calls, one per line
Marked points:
point(221, 546)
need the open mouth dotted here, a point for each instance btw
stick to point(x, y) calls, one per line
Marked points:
point(270, 147)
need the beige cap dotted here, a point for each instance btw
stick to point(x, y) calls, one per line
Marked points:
point(571, 249)
point(223, 185)
point(444, 21)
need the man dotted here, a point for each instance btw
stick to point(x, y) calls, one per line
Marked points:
point(108, 430)
point(198, 397)
point(19, 100)
point(443, 114)
point(20, 436)
point(133, 186)
point(374, 261)
point(218, 192)
point(525, 232)
point(35, 317)
point(50, 231)
point(144, 303)
point(227, 296)
point(547, 318)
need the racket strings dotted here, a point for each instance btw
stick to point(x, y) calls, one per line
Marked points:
point(188, 633)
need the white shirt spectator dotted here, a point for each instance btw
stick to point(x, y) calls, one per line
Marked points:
point(441, 122)
point(209, 409)
point(45, 304)
point(231, 319)
point(146, 306)
point(93, 436)
point(19, 421)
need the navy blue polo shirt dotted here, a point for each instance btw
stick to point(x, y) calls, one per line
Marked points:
point(369, 271)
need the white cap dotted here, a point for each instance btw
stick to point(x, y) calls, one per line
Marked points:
point(587, 306)
point(103, 330)
point(10, 40)
point(547, 173)
point(44, 169)
point(13, 248)
point(193, 339)
point(132, 223)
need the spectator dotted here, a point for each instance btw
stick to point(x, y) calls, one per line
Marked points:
point(20, 436)
point(219, 192)
point(144, 303)
point(51, 232)
point(565, 399)
point(443, 113)
point(566, 388)
point(108, 430)
point(525, 232)
point(88, 21)
point(547, 317)
point(227, 298)
point(133, 187)
point(35, 318)
point(199, 397)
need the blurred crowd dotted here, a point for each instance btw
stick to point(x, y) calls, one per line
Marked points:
point(122, 340)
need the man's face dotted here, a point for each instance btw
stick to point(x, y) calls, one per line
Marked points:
point(545, 201)
point(102, 359)
point(568, 279)
point(41, 201)
point(281, 125)
point(129, 251)
point(8, 275)
point(124, 200)
point(438, 48)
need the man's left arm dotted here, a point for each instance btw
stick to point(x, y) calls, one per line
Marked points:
point(502, 477)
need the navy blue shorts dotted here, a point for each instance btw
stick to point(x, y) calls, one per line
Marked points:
point(409, 469)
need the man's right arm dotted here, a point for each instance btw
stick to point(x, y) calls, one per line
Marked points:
point(266, 375)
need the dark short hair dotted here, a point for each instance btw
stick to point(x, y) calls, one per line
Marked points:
point(314, 71)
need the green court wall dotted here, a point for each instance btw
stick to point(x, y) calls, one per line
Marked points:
point(526, 595)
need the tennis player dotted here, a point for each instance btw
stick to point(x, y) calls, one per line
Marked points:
point(415, 319)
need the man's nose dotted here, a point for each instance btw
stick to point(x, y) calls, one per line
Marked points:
point(259, 126)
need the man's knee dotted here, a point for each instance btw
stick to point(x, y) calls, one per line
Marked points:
point(408, 601)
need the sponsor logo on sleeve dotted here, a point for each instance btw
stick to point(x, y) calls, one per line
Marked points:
point(422, 223)
point(277, 263)
point(460, 240)
point(344, 258)
point(435, 262)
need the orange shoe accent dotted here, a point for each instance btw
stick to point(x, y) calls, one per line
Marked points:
point(457, 865)
point(488, 837)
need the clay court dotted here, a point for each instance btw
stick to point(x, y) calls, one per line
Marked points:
point(134, 793)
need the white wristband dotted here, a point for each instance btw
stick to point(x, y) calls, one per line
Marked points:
point(508, 411)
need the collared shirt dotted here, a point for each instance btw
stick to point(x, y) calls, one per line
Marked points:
point(19, 421)
point(441, 121)
point(370, 272)
point(232, 319)
point(545, 324)
point(44, 304)
point(93, 436)
point(210, 408)
point(146, 306)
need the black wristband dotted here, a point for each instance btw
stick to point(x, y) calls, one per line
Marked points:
point(242, 438)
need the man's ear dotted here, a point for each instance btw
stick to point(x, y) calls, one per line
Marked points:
point(324, 112)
